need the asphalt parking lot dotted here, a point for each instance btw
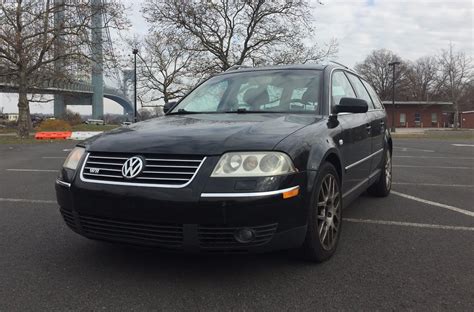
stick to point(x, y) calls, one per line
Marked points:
point(411, 251)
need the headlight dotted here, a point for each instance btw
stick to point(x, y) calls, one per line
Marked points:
point(253, 164)
point(74, 157)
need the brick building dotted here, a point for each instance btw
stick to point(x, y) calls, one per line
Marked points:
point(418, 114)
point(466, 119)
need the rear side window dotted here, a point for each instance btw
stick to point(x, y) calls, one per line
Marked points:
point(360, 90)
point(373, 95)
point(340, 87)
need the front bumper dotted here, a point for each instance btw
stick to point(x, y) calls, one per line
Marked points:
point(199, 218)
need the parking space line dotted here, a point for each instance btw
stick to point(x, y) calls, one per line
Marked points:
point(406, 149)
point(432, 203)
point(32, 201)
point(433, 184)
point(433, 167)
point(32, 170)
point(432, 157)
point(420, 225)
point(464, 145)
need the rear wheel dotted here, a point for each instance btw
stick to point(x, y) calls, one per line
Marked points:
point(325, 216)
point(382, 187)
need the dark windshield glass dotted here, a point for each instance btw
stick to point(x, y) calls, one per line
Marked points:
point(265, 91)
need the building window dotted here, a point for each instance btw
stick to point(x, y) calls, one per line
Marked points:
point(403, 119)
point(434, 119)
point(417, 119)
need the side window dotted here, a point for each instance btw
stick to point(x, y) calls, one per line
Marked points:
point(340, 87)
point(209, 99)
point(373, 95)
point(360, 90)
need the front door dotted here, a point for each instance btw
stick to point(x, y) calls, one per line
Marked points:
point(357, 143)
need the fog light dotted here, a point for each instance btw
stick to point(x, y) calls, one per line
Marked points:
point(244, 235)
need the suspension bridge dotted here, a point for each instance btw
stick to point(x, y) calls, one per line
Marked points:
point(71, 92)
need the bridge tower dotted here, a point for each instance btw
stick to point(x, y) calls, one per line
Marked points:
point(59, 103)
point(97, 56)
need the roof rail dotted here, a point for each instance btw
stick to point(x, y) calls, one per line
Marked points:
point(340, 64)
point(235, 67)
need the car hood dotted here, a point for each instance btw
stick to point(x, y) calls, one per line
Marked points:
point(201, 134)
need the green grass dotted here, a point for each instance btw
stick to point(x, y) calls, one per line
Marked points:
point(86, 127)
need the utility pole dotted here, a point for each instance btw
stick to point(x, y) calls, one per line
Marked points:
point(135, 52)
point(393, 64)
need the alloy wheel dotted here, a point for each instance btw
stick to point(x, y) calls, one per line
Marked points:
point(329, 212)
point(388, 171)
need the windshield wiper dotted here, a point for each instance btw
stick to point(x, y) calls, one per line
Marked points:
point(182, 111)
point(246, 111)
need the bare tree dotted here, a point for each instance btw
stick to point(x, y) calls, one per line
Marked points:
point(29, 41)
point(229, 32)
point(378, 73)
point(455, 76)
point(422, 77)
point(164, 68)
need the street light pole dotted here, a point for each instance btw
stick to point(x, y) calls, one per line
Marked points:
point(135, 51)
point(393, 64)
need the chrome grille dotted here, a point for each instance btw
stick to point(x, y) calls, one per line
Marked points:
point(159, 170)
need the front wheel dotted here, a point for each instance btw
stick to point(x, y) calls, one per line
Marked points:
point(382, 187)
point(325, 216)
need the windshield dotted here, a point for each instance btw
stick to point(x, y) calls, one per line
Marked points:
point(282, 91)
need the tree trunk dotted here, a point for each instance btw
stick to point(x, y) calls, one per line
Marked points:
point(456, 116)
point(24, 119)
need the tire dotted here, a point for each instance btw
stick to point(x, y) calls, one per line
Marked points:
point(325, 216)
point(382, 187)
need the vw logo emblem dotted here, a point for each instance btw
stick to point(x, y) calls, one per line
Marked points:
point(132, 167)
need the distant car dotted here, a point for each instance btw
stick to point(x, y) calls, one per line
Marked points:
point(127, 123)
point(251, 160)
point(94, 122)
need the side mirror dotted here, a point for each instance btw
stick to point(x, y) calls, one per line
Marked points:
point(168, 106)
point(351, 105)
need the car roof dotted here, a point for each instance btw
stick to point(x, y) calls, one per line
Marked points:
point(316, 66)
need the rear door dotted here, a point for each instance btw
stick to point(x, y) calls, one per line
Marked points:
point(356, 144)
point(376, 126)
point(379, 123)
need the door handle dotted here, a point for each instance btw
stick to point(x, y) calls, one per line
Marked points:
point(382, 123)
point(368, 127)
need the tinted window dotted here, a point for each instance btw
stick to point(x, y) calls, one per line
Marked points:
point(360, 90)
point(340, 87)
point(373, 95)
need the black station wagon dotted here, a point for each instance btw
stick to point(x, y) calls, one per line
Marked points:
point(251, 160)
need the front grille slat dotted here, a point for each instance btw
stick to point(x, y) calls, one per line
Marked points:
point(159, 170)
point(218, 238)
point(156, 237)
point(166, 235)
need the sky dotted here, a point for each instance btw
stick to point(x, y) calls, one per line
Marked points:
point(410, 28)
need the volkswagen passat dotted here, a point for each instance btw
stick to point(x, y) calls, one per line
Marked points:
point(252, 160)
